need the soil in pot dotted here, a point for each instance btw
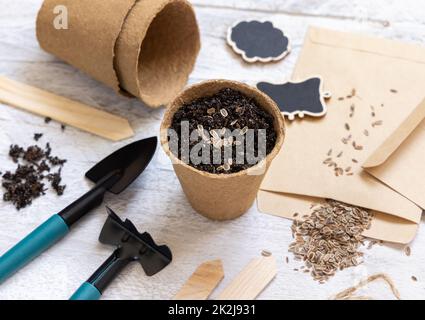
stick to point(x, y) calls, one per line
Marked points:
point(223, 124)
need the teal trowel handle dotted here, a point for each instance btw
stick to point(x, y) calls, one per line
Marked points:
point(86, 292)
point(32, 246)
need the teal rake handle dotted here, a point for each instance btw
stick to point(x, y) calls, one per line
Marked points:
point(32, 246)
point(87, 291)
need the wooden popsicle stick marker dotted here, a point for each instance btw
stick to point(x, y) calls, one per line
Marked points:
point(202, 282)
point(252, 280)
point(64, 110)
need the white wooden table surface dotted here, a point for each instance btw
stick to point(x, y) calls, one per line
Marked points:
point(155, 202)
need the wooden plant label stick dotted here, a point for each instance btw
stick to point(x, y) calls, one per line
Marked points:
point(202, 282)
point(64, 110)
point(252, 280)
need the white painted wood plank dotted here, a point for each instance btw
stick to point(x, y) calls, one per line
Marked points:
point(155, 202)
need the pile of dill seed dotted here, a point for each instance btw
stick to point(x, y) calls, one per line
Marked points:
point(328, 240)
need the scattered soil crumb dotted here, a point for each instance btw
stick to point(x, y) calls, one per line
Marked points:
point(37, 136)
point(34, 166)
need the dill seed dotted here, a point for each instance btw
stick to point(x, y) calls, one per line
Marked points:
point(340, 154)
point(366, 133)
point(347, 127)
point(414, 278)
point(407, 251)
point(244, 131)
point(357, 146)
point(329, 153)
point(346, 140)
point(377, 123)
point(355, 161)
point(214, 134)
point(224, 113)
point(371, 244)
point(295, 215)
point(393, 91)
point(341, 98)
point(327, 161)
point(287, 260)
point(339, 172)
point(266, 253)
point(348, 169)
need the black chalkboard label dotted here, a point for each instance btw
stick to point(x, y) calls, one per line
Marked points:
point(258, 41)
point(298, 98)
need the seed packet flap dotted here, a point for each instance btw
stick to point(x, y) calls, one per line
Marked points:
point(399, 161)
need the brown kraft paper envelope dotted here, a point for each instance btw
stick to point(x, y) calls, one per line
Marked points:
point(374, 68)
point(400, 161)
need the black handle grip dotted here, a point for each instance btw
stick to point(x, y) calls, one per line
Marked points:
point(108, 271)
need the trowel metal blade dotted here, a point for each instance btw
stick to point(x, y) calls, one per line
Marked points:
point(130, 161)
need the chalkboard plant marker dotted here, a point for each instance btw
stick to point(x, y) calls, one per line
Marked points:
point(258, 41)
point(298, 98)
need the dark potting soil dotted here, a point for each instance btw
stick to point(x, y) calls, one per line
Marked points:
point(34, 166)
point(228, 109)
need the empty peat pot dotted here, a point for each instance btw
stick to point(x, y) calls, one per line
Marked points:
point(145, 49)
point(221, 196)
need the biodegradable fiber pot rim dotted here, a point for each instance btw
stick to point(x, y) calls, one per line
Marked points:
point(185, 96)
point(146, 67)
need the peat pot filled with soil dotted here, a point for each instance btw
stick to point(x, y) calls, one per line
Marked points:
point(221, 137)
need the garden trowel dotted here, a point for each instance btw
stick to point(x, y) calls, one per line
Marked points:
point(113, 174)
point(131, 246)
